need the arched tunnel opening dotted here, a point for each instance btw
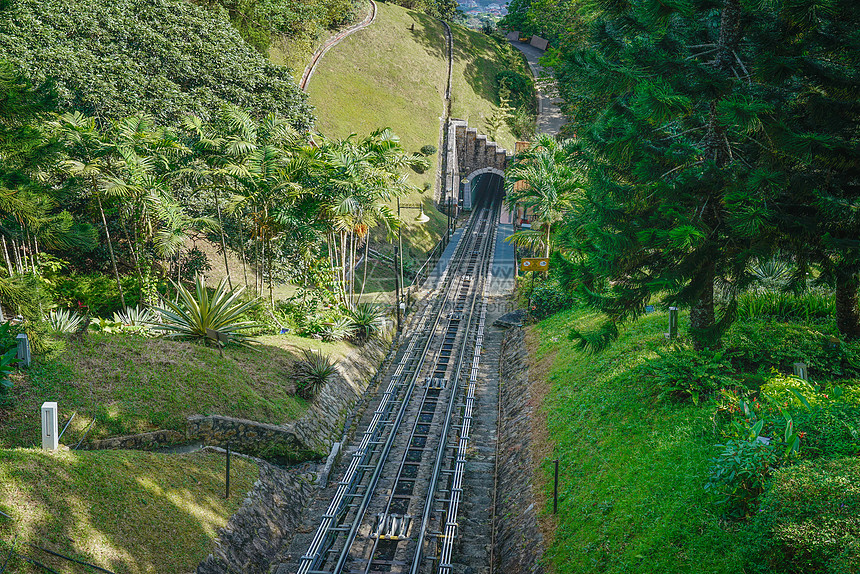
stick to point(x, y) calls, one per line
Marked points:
point(486, 186)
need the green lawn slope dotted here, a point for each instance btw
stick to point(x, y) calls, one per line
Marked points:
point(636, 448)
point(474, 94)
point(391, 75)
point(632, 465)
point(128, 384)
point(129, 512)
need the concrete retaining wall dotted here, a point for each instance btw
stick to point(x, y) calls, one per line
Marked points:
point(519, 545)
point(539, 43)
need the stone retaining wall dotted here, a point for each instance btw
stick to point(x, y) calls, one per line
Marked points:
point(269, 514)
point(312, 434)
point(519, 545)
point(145, 441)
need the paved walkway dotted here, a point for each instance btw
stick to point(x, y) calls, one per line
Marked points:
point(502, 271)
point(333, 41)
point(435, 277)
point(550, 118)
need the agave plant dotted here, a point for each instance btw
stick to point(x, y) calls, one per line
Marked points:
point(136, 316)
point(338, 330)
point(64, 320)
point(366, 320)
point(312, 373)
point(199, 315)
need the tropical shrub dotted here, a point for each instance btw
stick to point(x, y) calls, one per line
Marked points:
point(428, 150)
point(137, 316)
point(366, 320)
point(97, 292)
point(337, 330)
point(828, 417)
point(312, 373)
point(7, 367)
point(786, 306)
point(808, 521)
point(548, 298)
point(518, 87)
point(758, 345)
point(683, 373)
point(8, 357)
point(739, 473)
point(193, 315)
point(64, 321)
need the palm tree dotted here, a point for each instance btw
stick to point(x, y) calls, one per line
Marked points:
point(263, 164)
point(361, 176)
point(544, 180)
point(88, 162)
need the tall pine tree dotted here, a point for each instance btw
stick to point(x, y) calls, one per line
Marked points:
point(677, 116)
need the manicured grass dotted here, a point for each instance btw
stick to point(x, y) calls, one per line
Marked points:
point(126, 511)
point(386, 75)
point(474, 95)
point(632, 466)
point(132, 384)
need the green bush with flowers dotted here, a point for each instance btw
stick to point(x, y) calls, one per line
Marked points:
point(787, 448)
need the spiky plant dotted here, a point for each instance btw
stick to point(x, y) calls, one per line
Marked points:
point(338, 330)
point(194, 315)
point(64, 320)
point(136, 316)
point(366, 319)
point(312, 373)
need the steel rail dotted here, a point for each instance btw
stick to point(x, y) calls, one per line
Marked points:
point(313, 556)
point(472, 261)
point(440, 455)
point(368, 494)
point(451, 525)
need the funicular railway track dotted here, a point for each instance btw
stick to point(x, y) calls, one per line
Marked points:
point(396, 507)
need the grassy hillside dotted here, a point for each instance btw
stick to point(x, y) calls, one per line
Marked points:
point(112, 58)
point(390, 74)
point(132, 384)
point(474, 94)
point(126, 511)
point(632, 468)
point(637, 451)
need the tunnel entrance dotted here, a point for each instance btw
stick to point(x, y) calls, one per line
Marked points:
point(485, 186)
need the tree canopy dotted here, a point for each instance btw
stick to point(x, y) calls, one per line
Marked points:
point(166, 58)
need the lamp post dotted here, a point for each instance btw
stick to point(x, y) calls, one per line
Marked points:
point(398, 257)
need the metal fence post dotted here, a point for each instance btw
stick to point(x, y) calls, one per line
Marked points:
point(227, 473)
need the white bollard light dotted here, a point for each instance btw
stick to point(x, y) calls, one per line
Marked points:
point(50, 432)
point(23, 355)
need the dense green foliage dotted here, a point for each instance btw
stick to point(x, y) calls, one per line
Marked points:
point(443, 9)
point(167, 58)
point(712, 137)
point(697, 461)
point(302, 21)
point(811, 517)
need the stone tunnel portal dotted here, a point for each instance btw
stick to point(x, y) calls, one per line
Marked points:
point(480, 182)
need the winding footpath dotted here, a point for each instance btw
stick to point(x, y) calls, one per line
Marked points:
point(550, 118)
point(333, 41)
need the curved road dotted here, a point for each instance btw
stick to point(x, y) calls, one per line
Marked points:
point(333, 41)
point(550, 118)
